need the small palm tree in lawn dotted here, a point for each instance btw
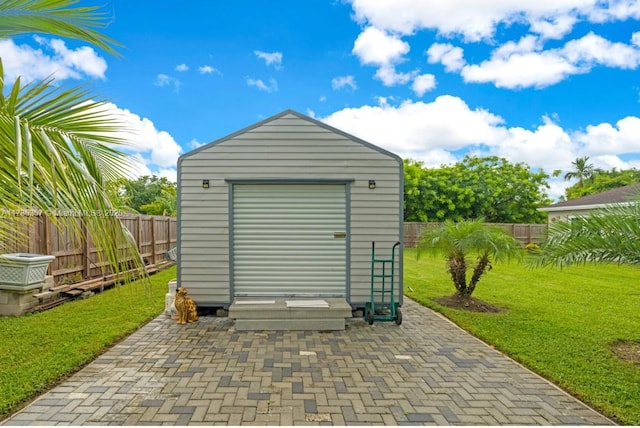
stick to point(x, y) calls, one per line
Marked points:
point(59, 145)
point(469, 246)
point(607, 235)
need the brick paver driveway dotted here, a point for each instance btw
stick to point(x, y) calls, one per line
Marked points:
point(426, 371)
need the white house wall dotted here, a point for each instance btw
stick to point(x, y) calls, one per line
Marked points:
point(288, 148)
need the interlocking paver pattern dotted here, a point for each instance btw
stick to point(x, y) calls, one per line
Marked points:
point(425, 372)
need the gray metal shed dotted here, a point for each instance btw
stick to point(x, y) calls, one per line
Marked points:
point(286, 207)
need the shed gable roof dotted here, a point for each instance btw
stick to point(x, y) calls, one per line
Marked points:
point(614, 196)
point(299, 116)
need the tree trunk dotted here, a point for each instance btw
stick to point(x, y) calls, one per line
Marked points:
point(483, 264)
point(458, 271)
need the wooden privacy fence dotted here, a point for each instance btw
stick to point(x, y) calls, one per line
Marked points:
point(77, 258)
point(523, 232)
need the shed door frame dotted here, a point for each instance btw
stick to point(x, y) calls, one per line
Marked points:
point(347, 205)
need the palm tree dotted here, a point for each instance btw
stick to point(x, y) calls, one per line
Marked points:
point(608, 235)
point(58, 146)
point(461, 241)
point(582, 170)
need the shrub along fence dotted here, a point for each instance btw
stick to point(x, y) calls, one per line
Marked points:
point(526, 233)
point(76, 257)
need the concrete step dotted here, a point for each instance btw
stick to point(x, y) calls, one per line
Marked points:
point(289, 314)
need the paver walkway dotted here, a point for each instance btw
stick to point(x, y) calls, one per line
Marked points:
point(426, 371)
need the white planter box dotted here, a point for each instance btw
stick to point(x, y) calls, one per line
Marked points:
point(23, 269)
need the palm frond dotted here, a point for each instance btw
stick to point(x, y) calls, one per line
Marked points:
point(608, 235)
point(56, 17)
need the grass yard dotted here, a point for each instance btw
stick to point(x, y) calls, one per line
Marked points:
point(39, 350)
point(561, 324)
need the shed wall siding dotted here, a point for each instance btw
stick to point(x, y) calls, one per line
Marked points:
point(292, 149)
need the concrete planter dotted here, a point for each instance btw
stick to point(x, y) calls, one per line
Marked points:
point(23, 270)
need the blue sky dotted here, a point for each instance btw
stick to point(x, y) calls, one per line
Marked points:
point(539, 82)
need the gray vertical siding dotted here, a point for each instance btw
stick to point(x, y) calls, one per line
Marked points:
point(287, 147)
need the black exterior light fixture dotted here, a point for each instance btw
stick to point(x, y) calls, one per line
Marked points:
point(205, 184)
point(372, 184)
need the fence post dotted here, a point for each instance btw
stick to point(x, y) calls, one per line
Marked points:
point(47, 242)
point(139, 234)
point(86, 250)
point(153, 240)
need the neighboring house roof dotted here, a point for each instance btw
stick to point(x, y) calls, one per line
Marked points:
point(619, 195)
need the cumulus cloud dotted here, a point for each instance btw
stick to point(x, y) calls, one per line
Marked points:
point(431, 132)
point(414, 128)
point(53, 58)
point(344, 81)
point(376, 47)
point(478, 20)
point(524, 63)
point(605, 138)
point(182, 67)
point(514, 65)
point(270, 86)
point(452, 57)
point(144, 139)
point(423, 84)
point(270, 58)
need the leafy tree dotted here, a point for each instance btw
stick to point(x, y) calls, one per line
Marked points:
point(608, 235)
point(582, 170)
point(461, 241)
point(149, 195)
point(602, 180)
point(489, 187)
point(57, 143)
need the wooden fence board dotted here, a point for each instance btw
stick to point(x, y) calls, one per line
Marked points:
point(525, 233)
point(77, 258)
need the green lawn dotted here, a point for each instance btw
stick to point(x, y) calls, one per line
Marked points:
point(559, 323)
point(38, 350)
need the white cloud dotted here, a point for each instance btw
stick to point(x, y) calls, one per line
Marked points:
point(515, 64)
point(415, 128)
point(52, 59)
point(478, 20)
point(423, 84)
point(376, 47)
point(207, 69)
point(153, 147)
point(431, 132)
point(452, 57)
point(537, 69)
point(271, 86)
point(342, 81)
point(270, 58)
point(525, 64)
point(605, 138)
point(322, 98)
point(554, 27)
point(166, 80)
point(170, 174)
point(390, 77)
point(182, 67)
point(593, 50)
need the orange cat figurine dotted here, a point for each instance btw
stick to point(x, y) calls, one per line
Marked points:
point(186, 307)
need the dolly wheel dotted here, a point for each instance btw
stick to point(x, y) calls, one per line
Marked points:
point(398, 318)
point(369, 316)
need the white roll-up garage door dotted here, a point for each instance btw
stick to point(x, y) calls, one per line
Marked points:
point(289, 239)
